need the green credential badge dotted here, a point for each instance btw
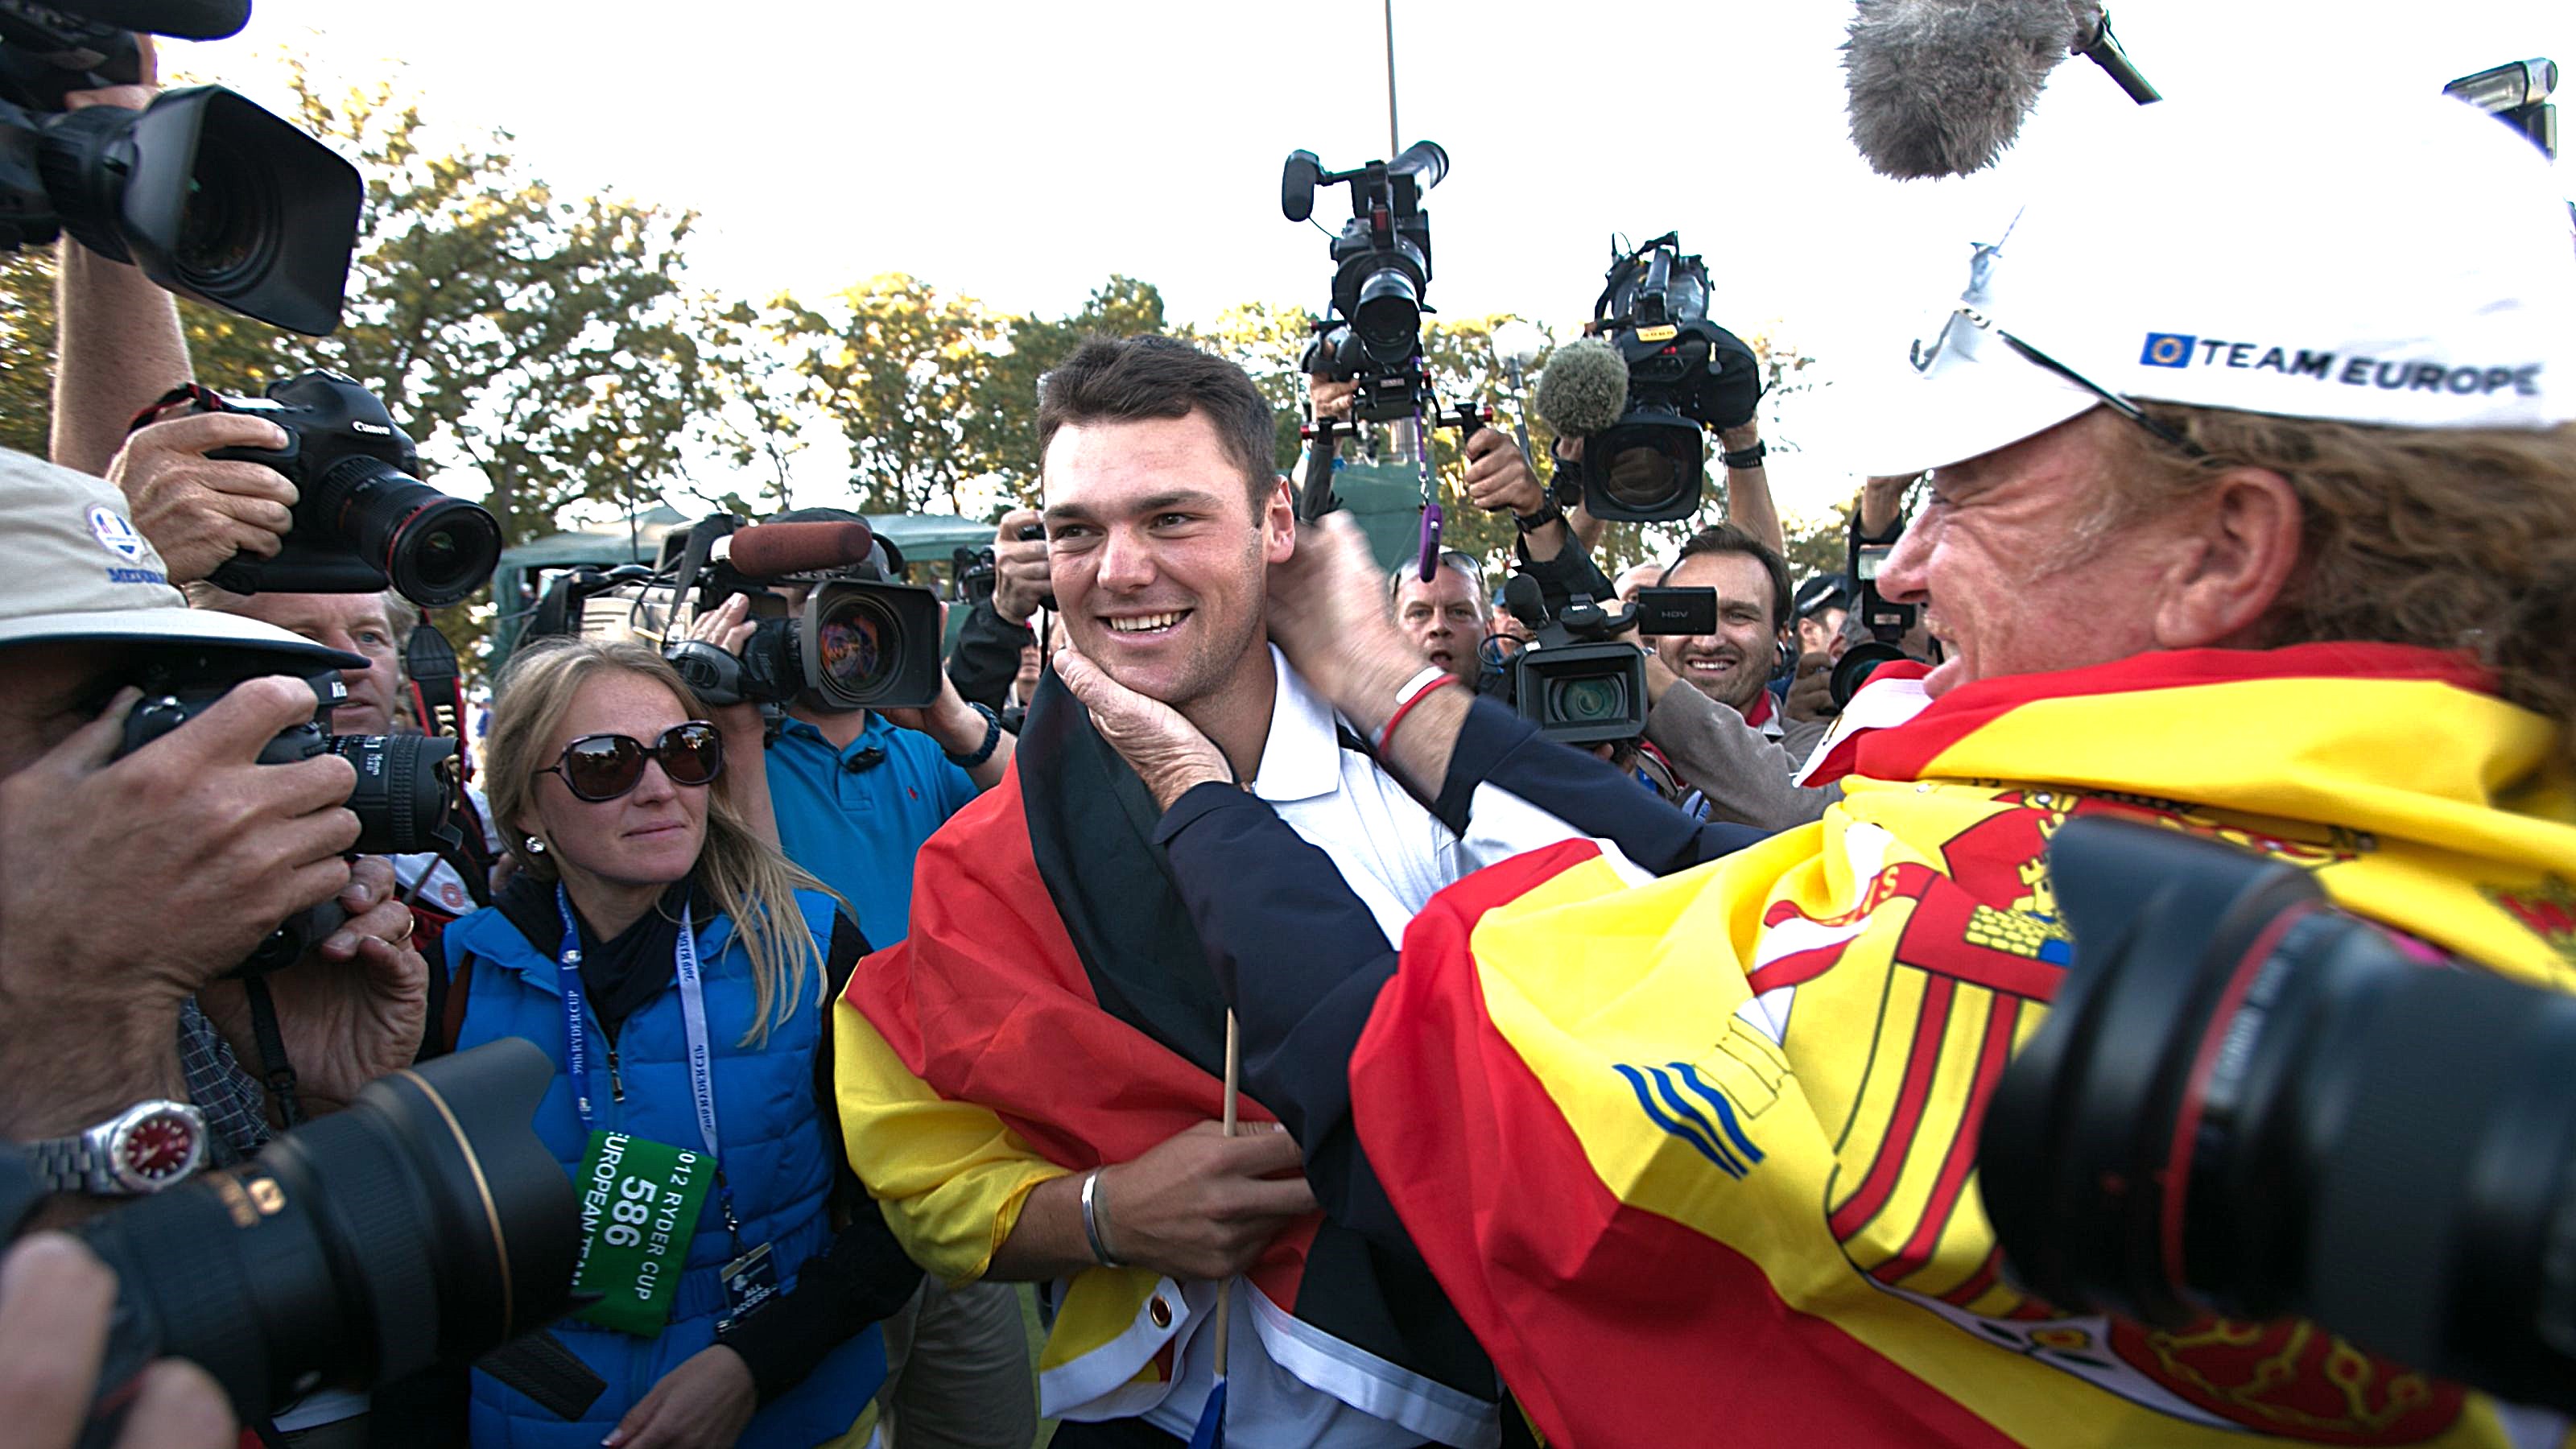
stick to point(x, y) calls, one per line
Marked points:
point(639, 1209)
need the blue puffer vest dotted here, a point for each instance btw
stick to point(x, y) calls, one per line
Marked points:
point(775, 1157)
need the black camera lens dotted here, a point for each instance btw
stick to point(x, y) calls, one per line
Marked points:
point(424, 1224)
point(855, 641)
point(1855, 667)
point(225, 235)
point(2248, 1104)
point(436, 549)
point(1591, 700)
point(1645, 470)
point(405, 783)
point(1388, 316)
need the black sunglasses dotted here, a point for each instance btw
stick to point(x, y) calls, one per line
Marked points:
point(603, 767)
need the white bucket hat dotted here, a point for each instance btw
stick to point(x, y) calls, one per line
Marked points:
point(2411, 265)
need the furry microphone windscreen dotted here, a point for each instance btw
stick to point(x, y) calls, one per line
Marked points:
point(1940, 87)
point(1583, 389)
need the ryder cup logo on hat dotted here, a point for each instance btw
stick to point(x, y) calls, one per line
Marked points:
point(2413, 268)
point(116, 534)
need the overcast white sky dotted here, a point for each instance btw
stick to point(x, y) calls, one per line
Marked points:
point(1020, 152)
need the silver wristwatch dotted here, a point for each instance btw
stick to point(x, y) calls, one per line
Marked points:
point(141, 1150)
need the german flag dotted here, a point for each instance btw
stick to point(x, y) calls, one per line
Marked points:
point(1696, 1158)
point(1053, 980)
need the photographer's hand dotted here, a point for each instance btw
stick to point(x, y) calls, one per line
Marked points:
point(56, 1302)
point(959, 731)
point(1811, 692)
point(705, 1403)
point(198, 511)
point(1331, 399)
point(91, 975)
point(354, 1008)
point(1020, 579)
point(1166, 751)
point(746, 735)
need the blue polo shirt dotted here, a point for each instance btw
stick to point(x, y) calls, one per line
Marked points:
point(858, 830)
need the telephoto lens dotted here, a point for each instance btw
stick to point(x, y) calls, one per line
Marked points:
point(2247, 1103)
point(425, 1224)
point(436, 549)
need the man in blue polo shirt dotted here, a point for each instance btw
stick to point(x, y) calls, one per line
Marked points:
point(856, 793)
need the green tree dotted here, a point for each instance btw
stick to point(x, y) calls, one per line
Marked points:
point(26, 349)
point(893, 363)
point(1267, 340)
point(1817, 544)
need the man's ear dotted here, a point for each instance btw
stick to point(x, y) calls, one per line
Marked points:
point(2240, 550)
point(1279, 524)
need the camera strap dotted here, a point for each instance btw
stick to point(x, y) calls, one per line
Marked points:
point(693, 1020)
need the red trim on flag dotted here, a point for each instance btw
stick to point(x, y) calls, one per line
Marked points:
point(2001, 1015)
point(1921, 1057)
point(1612, 1326)
point(1904, 752)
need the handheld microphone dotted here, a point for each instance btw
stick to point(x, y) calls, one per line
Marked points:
point(179, 19)
point(1583, 389)
point(772, 550)
point(1941, 87)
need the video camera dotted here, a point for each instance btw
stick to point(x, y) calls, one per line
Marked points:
point(210, 196)
point(2244, 1102)
point(426, 1224)
point(1575, 679)
point(1382, 267)
point(1686, 376)
point(858, 641)
point(401, 798)
point(363, 518)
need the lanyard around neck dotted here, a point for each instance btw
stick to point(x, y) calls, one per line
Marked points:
point(693, 1015)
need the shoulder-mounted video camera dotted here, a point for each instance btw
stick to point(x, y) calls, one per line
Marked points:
point(856, 640)
point(1686, 376)
point(209, 195)
point(1576, 679)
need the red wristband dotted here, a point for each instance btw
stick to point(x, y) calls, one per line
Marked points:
point(1405, 706)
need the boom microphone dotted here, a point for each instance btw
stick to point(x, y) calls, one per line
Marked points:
point(180, 19)
point(1583, 389)
point(772, 550)
point(1940, 87)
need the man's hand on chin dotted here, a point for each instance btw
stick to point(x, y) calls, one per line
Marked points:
point(1165, 750)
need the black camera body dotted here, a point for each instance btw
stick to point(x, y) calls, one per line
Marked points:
point(209, 195)
point(404, 788)
point(363, 518)
point(426, 1224)
point(1686, 376)
point(1887, 621)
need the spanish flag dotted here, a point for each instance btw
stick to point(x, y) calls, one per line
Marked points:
point(1052, 1011)
point(1696, 1158)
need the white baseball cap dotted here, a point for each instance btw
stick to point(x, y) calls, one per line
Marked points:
point(2409, 264)
point(78, 568)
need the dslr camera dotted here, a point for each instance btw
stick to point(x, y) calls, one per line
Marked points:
point(210, 196)
point(2247, 1103)
point(401, 799)
point(426, 1224)
point(1686, 376)
point(1575, 679)
point(859, 640)
point(363, 518)
point(1888, 623)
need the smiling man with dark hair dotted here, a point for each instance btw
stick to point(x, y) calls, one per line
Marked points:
point(1031, 1082)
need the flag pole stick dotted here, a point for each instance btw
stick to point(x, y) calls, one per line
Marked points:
point(1233, 1076)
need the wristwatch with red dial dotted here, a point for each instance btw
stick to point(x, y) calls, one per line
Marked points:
point(143, 1149)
